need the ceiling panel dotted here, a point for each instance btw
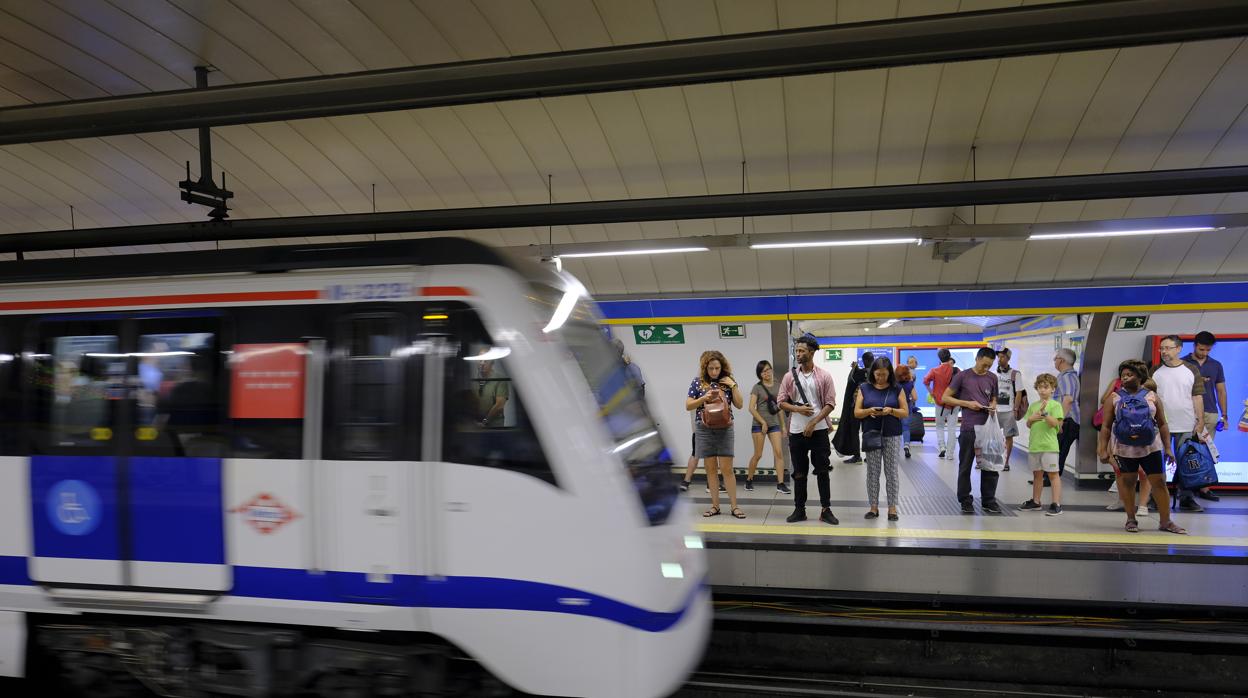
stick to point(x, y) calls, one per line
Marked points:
point(1139, 108)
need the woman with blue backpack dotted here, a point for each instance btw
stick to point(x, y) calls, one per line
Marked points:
point(1134, 434)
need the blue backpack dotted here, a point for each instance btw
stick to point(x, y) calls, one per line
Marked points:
point(1133, 422)
point(1195, 468)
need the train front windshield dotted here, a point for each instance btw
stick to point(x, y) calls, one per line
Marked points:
point(622, 408)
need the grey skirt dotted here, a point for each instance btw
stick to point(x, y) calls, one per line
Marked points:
point(709, 443)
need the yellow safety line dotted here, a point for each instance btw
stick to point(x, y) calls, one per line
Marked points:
point(1154, 538)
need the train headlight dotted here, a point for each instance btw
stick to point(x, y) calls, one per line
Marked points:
point(672, 570)
point(693, 542)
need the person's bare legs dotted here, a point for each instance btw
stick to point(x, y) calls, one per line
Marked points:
point(1126, 492)
point(1161, 495)
point(758, 454)
point(690, 467)
point(777, 454)
point(730, 479)
point(712, 480)
point(1009, 448)
point(1037, 484)
point(1055, 481)
point(1146, 489)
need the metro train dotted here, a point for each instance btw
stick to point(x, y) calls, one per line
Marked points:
point(399, 468)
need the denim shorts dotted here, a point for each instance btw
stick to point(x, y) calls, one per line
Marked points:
point(771, 428)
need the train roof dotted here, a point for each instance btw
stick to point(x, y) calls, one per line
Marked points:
point(272, 259)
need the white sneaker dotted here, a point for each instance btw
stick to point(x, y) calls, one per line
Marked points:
point(1115, 505)
point(1141, 511)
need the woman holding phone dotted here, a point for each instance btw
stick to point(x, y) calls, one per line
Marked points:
point(881, 404)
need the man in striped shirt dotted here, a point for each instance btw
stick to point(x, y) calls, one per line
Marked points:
point(1067, 394)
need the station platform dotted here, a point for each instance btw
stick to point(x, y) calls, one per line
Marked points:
point(935, 551)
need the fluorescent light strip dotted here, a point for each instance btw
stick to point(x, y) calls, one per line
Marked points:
point(834, 243)
point(623, 253)
point(1121, 233)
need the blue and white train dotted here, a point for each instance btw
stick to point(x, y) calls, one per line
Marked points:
point(217, 468)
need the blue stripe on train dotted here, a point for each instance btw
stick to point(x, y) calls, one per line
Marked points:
point(450, 592)
point(486, 593)
point(175, 510)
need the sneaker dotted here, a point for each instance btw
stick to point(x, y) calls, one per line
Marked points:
point(942, 453)
point(1115, 505)
point(968, 508)
point(684, 485)
point(797, 515)
point(1054, 510)
point(783, 489)
point(1141, 511)
point(1190, 505)
point(907, 451)
point(828, 517)
point(993, 508)
point(1007, 467)
point(1031, 505)
point(1209, 496)
point(853, 459)
point(749, 485)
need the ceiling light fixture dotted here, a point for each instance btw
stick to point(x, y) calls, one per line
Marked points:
point(1121, 233)
point(834, 243)
point(622, 253)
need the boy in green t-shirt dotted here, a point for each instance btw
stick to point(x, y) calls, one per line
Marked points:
point(1044, 419)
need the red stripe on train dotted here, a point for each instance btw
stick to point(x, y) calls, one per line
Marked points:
point(444, 291)
point(178, 299)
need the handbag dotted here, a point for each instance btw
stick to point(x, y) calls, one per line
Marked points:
point(872, 440)
point(716, 413)
point(772, 405)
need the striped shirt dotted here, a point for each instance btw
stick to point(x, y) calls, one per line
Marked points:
point(1068, 387)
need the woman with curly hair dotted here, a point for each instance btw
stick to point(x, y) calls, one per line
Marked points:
point(714, 386)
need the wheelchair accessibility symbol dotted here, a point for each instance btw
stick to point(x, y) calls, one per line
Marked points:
point(73, 507)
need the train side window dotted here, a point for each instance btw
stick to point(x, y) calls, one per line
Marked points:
point(367, 408)
point(83, 376)
point(178, 401)
point(485, 420)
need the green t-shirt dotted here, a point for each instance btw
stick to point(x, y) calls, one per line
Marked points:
point(1043, 438)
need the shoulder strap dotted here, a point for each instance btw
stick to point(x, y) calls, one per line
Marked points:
point(801, 391)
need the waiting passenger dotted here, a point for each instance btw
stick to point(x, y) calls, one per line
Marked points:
point(1068, 394)
point(692, 463)
point(1215, 391)
point(976, 392)
point(492, 394)
point(1043, 420)
point(905, 379)
point(937, 381)
point(881, 405)
point(768, 418)
point(634, 372)
point(808, 394)
point(1143, 486)
point(712, 395)
point(1010, 396)
point(847, 441)
point(1134, 435)
point(1182, 390)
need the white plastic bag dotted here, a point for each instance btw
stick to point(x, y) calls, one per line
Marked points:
point(990, 445)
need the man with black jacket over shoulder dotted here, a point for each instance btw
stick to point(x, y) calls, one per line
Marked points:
point(808, 394)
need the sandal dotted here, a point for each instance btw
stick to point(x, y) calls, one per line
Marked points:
point(713, 511)
point(1133, 526)
point(1172, 527)
point(736, 512)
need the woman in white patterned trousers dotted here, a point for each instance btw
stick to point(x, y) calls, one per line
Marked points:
point(881, 404)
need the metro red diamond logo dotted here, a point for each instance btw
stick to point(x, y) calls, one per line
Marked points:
point(265, 513)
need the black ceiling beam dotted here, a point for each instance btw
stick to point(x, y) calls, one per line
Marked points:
point(1211, 180)
point(1079, 26)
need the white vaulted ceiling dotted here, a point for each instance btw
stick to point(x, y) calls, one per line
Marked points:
point(1155, 107)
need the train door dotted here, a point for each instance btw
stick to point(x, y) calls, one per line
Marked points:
point(128, 437)
point(372, 413)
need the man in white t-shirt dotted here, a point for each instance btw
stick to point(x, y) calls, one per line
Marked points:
point(1182, 393)
point(1010, 392)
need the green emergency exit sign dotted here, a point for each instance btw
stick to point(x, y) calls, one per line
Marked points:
point(659, 334)
point(732, 331)
point(832, 354)
point(1132, 322)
